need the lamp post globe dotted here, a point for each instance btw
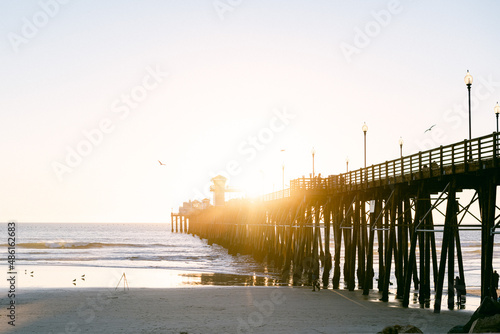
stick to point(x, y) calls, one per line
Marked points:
point(468, 78)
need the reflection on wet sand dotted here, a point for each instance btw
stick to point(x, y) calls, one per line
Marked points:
point(229, 279)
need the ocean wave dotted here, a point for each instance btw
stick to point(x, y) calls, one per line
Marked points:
point(73, 245)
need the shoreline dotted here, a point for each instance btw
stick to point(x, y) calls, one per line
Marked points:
point(40, 277)
point(71, 276)
point(215, 309)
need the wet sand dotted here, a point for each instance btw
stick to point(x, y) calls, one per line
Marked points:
point(208, 309)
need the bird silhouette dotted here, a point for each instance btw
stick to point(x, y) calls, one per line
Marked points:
point(74, 281)
point(161, 163)
point(83, 277)
point(429, 129)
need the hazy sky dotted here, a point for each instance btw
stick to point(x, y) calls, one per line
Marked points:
point(94, 93)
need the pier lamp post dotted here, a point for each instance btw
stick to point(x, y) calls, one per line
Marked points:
point(365, 129)
point(313, 152)
point(401, 146)
point(347, 164)
point(468, 82)
point(497, 111)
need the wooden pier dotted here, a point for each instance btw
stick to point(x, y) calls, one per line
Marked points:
point(385, 211)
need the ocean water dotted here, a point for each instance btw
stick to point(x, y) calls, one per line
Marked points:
point(127, 247)
point(132, 247)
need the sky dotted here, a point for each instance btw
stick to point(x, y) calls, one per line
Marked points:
point(94, 93)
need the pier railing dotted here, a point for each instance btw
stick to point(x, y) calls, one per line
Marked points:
point(277, 195)
point(462, 157)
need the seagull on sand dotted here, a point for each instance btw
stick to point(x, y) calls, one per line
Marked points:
point(429, 129)
point(161, 163)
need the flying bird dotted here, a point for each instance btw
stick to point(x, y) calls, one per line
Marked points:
point(161, 163)
point(429, 129)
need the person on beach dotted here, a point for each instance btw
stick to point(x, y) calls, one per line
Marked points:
point(315, 275)
point(494, 278)
point(461, 292)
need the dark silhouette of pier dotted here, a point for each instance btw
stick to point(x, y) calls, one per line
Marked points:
point(384, 210)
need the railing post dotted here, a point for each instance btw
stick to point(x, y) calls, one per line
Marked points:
point(402, 170)
point(373, 174)
point(394, 170)
point(430, 164)
point(386, 172)
point(453, 159)
point(420, 165)
point(366, 176)
point(379, 175)
point(411, 167)
point(479, 152)
point(495, 160)
point(466, 161)
point(441, 169)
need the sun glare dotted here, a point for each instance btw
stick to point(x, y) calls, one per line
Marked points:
point(252, 187)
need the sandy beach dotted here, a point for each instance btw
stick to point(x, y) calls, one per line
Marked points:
point(216, 310)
